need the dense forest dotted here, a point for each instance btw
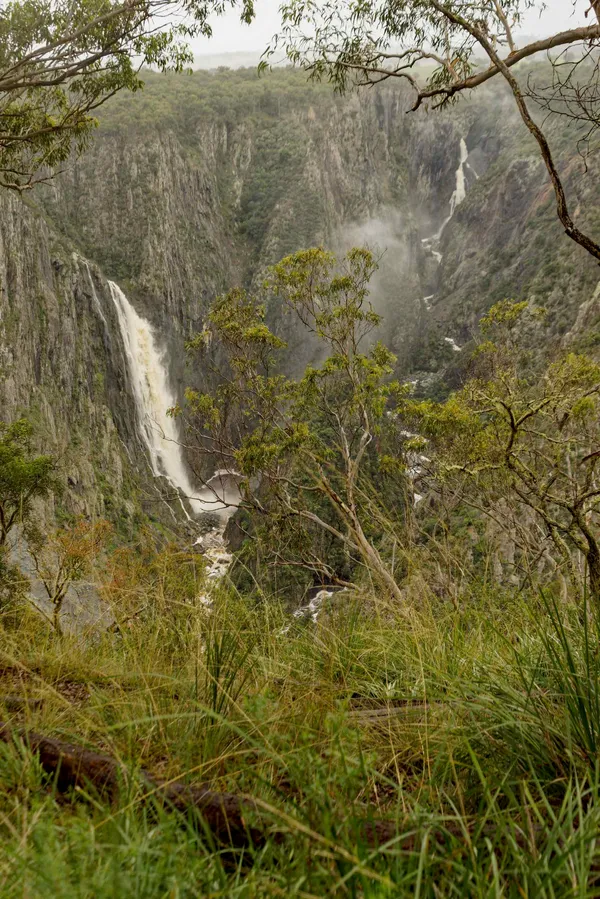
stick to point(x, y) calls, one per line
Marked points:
point(299, 454)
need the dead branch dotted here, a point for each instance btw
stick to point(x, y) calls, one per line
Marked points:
point(222, 814)
point(74, 767)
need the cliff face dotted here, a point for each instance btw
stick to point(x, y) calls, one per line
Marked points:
point(179, 208)
point(198, 184)
point(63, 365)
point(57, 359)
point(505, 239)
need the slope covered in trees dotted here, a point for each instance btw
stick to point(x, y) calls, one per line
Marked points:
point(200, 181)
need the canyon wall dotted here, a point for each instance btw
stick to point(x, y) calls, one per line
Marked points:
point(199, 182)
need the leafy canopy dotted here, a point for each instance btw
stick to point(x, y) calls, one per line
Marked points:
point(62, 59)
point(521, 442)
point(24, 476)
point(305, 447)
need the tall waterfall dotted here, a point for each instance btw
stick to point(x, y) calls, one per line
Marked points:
point(460, 191)
point(153, 397)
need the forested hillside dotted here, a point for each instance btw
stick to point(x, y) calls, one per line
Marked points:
point(200, 182)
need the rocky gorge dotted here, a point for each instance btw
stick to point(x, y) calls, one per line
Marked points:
point(198, 184)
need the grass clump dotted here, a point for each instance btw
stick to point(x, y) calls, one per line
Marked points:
point(468, 741)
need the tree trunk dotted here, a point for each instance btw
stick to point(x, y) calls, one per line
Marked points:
point(56, 609)
point(592, 558)
point(375, 564)
point(571, 230)
point(593, 564)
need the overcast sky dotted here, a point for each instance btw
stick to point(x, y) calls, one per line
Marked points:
point(232, 37)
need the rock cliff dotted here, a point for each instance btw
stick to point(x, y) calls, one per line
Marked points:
point(200, 182)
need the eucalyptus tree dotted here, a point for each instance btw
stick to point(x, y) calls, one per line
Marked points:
point(308, 451)
point(24, 476)
point(62, 59)
point(65, 557)
point(465, 44)
point(520, 442)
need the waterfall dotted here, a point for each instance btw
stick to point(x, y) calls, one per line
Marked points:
point(458, 195)
point(460, 191)
point(153, 397)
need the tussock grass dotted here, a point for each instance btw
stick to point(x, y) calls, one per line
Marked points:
point(475, 731)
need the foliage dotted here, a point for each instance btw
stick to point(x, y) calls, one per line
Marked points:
point(13, 586)
point(24, 476)
point(225, 97)
point(67, 556)
point(280, 152)
point(469, 729)
point(61, 61)
point(172, 576)
point(522, 444)
point(306, 448)
point(459, 731)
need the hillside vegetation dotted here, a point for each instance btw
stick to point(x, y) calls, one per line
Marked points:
point(469, 736)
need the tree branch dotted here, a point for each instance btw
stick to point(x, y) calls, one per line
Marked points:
point(575, 35)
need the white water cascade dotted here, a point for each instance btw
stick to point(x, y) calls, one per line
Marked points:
point(431, 244)
point(460, 191)
point(153, 397)
point(458, 195)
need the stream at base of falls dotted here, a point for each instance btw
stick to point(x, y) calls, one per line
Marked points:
point(222, 492)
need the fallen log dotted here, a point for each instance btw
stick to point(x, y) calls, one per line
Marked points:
point(74, 767)
point(220, 814)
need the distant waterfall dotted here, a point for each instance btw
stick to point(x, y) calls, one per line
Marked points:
point(460, 190)
point(459, 193)
point(153, 396)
